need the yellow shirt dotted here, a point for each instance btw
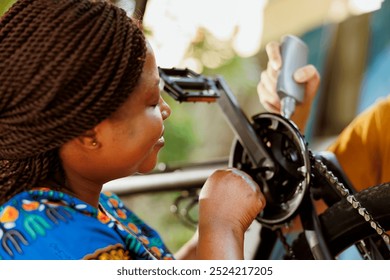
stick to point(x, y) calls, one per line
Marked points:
point(363, 148)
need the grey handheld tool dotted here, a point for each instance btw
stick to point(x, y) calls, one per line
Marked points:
point(294, 55)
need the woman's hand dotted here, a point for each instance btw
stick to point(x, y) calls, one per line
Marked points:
point(267, 86)
point(228, 203)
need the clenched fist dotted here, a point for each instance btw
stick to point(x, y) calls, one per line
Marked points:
point(228, 203)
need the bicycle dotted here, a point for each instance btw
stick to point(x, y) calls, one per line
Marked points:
point(272, 150)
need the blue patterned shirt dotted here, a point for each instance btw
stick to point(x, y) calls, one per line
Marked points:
point(43, 224)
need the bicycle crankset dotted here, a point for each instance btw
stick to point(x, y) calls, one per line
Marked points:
point(285, 183)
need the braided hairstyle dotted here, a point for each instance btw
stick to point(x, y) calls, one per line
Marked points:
point(65, 66)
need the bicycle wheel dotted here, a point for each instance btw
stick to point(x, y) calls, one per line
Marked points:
point(343, 226)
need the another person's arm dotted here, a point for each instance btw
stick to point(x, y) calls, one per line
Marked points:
point(363, 147)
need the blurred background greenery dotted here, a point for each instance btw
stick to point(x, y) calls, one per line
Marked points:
point(348, 40)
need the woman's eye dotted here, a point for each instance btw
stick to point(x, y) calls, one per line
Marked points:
point(154, 104)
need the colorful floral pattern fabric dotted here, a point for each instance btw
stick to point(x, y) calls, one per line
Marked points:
point(44, 224)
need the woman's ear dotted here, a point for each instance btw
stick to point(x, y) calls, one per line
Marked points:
point(89, 139)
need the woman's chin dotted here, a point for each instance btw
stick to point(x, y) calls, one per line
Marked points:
point(147, 167)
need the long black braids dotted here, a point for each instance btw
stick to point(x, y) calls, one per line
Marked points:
point(65, 65)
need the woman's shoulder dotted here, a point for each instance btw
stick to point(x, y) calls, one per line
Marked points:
point(115, 207)
point(25, 222)
point(41, 224)
point(47, 224)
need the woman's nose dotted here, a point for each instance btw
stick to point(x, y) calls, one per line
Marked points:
point(165, 109)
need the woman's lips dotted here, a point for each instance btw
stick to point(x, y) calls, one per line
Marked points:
point(161, 141)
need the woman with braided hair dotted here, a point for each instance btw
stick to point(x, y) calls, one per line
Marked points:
point(79, 106)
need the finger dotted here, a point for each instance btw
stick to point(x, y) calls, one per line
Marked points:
point(269, 107)
point(252, 184)
point(269, 101)
point(305, 73)
point(267, 90)
point(272, 73)
point(313, 84)
point(273, 51)
point(246, 178)
point(309, 75)
point(268, 82)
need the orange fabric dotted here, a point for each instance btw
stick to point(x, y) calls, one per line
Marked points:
point(363, 148)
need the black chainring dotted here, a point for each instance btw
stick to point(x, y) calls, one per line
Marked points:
point(285, 185)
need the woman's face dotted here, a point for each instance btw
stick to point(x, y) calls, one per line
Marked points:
point(129, 141)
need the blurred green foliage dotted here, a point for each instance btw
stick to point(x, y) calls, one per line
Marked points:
point(5, 5)
point(179, 136)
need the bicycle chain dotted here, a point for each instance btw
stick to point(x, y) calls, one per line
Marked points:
point(323, 170)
